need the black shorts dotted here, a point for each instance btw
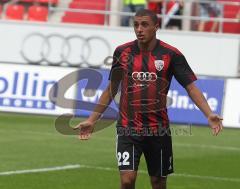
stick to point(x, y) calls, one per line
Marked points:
point(156, 149)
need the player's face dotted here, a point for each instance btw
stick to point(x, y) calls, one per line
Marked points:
point(145, 29)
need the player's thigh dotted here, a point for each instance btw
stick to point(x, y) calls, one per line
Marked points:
point(128, 153)
point(128, 177)
point(159, 156)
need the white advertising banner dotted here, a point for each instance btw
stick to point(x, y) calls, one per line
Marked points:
point(82, 45)
point(231, 112)
point(25, 88)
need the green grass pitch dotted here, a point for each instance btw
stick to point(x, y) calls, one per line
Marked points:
point(30, 142)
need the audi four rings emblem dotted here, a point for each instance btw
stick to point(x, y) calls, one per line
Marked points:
point(73, 50)
point(144, 76)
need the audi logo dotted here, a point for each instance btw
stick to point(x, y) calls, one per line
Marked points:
point(73, 50)
point(144, 76)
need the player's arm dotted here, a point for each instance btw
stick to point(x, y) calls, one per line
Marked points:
point(105, 99)
point(214, 120)
point(186, 77)
point(115, 77)
point(86, 127)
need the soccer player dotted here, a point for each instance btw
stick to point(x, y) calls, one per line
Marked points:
point(144, 68)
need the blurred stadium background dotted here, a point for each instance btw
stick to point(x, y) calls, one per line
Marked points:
point(42, 41)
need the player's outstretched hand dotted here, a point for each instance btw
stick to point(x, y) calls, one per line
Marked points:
point(85, 129)
point(215, 122)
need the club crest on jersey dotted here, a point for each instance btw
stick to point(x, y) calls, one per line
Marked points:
point(159, 64)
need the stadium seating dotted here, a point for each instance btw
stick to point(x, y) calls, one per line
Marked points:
point(37, 13)
point(40, 13)
point(85, 18)
point(0, 11)
point(230, 11)
point(15, 12)
point(48, 1)
point(40, 1)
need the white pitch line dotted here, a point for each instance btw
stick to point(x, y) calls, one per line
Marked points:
point(40, 170)
point(177, 175)
point(229, 148)
point(78, 166)
point(209, 177)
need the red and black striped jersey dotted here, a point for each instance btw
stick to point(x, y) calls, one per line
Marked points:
point(145, 80)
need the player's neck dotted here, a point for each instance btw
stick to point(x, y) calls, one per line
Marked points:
point(148, 46)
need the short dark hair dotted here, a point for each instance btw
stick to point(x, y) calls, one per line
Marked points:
point(147, 12)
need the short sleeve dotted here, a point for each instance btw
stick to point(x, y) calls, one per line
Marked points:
point(182, 71)
point(116, 69)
